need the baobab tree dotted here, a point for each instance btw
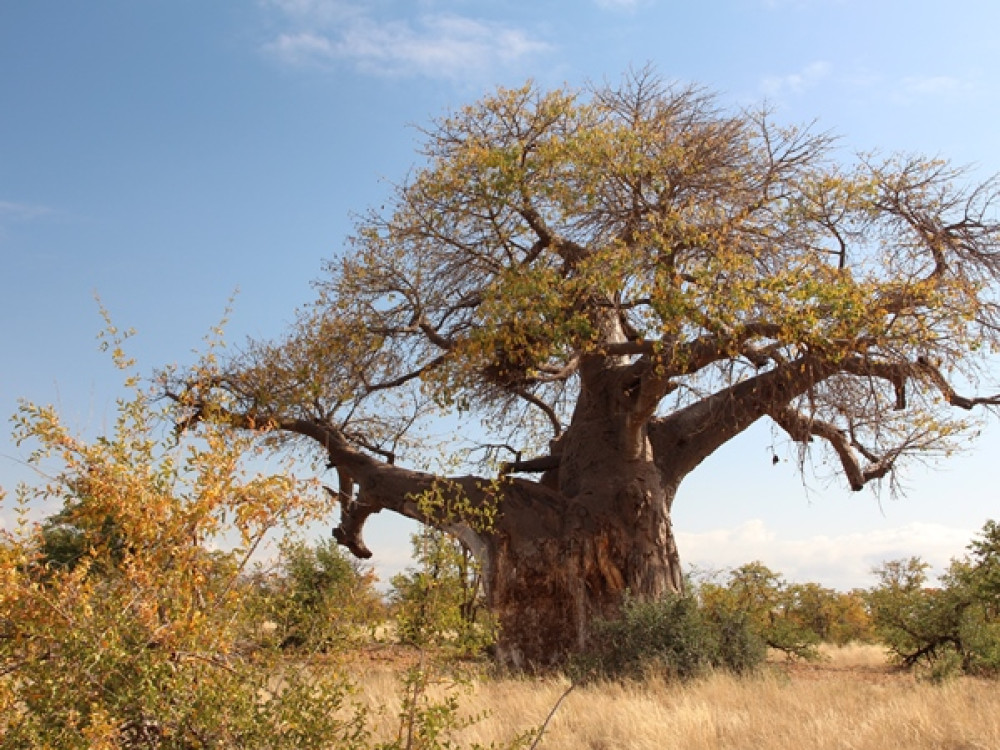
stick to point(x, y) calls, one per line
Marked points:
point(613, 282)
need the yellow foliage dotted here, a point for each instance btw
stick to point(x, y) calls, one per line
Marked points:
point(119, 624)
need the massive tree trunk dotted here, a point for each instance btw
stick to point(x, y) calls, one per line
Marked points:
point(547, 584)
point(606, 526)
point(550, 576)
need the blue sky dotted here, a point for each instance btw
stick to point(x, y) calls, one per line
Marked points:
point(165, 153)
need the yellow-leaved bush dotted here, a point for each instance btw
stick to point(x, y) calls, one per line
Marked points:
point(122, 624)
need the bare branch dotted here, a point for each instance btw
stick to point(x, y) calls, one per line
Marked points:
point(549, 412)
point(407, 376)
point(933, 374)
point(531, 465)
point(802, 429)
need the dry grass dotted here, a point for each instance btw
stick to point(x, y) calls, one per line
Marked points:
point(850, 700)
point(854, 655)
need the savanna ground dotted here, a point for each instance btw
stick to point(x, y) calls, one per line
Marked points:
point(851, 698)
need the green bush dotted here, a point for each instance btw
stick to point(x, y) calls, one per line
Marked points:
point(438, 602)
point(945, 630)
point(771, 609)
point(674, 637)
point(316, 598)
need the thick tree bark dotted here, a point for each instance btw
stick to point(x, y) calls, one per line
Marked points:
point(547, 584)
point(547, 581)
point(619, 470)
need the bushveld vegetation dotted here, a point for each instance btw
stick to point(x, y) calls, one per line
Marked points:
point(615, 282)
point(123, 624)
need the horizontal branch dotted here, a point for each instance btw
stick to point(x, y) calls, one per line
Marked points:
point(531, 465)
point(685, 438)
point(933, 374)
point(802, 429)
point(898, 373)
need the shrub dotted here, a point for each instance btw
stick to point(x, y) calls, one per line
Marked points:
point(316, 599)
point(949, 629)
point(438, 602)
point(674, 637)
point(119, 627)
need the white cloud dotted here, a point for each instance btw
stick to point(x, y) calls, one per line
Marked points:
point(795, 83)
point(301, 49)
point(842, 562)
point(435, 45)
point(317, 11)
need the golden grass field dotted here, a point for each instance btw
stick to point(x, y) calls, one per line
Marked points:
point(850, 699)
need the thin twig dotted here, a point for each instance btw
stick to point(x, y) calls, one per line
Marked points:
point(541, 730)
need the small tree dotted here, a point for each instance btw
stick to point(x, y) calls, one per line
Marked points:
point(954, 627)
point(438, 602)
point(768, 604)
point(917, 623)
point(316, 598)
point(831, 616)
point(982, 573)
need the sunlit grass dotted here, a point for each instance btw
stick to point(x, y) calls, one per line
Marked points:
point(851, 699)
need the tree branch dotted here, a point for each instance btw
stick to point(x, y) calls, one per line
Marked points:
point(406, 377)
point(933, 374)
point(531, 465)
point(684, 439)
point(549, 412)
point(898, 373)
point(802, 429)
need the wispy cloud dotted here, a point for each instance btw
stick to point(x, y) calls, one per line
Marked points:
point(798, 82)
point(913, 87)
point(901, 90)
point(325, 32)
point(843, 562)
point(627, 5)
point(317, 11)
point(13, 211)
